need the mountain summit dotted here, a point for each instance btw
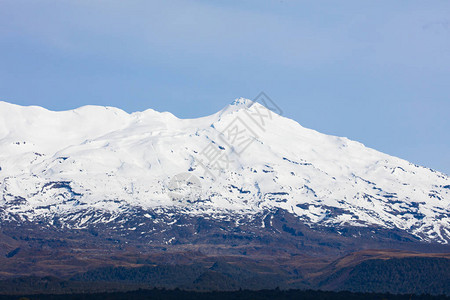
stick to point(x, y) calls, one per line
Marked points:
point(100, 166)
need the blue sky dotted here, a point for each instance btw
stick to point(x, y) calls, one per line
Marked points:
point(374, 71)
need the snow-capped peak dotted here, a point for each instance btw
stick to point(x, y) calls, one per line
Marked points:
point(242, 102)
point(245, 159)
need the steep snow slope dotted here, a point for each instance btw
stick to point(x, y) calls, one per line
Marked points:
point(243, 159)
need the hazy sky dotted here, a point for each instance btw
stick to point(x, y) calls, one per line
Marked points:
point(373, 71)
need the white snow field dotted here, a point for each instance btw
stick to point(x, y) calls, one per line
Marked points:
point(246, 158)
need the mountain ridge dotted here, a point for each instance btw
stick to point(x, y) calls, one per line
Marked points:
point(106, 161)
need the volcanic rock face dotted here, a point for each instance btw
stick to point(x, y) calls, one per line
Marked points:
point(240, 176)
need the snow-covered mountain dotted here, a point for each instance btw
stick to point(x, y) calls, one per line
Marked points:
point(244, 160)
